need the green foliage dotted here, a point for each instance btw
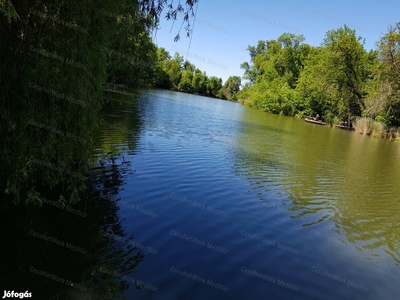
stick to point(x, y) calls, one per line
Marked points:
point(315, 85)
point(214, 87)
point(386, 90)
point(185, 85)
point(232, 86)
point(348, 69)
point(8, 10)
point(199, 82)
point(33, 198)
point(173, 68)
point(330, 118)
point(176, 74)
point(339, 79)
point(55, 58)
point(273, 73)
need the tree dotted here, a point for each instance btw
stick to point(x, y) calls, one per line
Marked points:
point(214, 87)
point(273, 72)
point(8, 10)
point(199, 82)
point(55, 58)
point(187, 65)
point(335, 76)
point(185, 85)
point(163, 55)
point(384, 99)
point(232, 86)
point(315, 86)
point(173, 68)
point(177, 74)
point(250, 73)
point(348, 67)
point(289, 62)
point(162, 78)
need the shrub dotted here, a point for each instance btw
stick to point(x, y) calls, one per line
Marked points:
point(378, 129)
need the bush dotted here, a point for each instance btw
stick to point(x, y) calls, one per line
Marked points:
point(331, 118)
point(378, 129)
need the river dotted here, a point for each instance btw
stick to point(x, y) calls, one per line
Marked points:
point(199, 198)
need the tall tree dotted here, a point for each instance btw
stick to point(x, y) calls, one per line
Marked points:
point(185, 84)
point(384, 99)
point(251, 72)
point(173, 67)
point(232, 86)
point(348, 67)
point(316, 86)
point(162, 78)
point(274, 71)
point(214, 87)
point(199, 82)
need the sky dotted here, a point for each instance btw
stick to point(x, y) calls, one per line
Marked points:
point(223, 29)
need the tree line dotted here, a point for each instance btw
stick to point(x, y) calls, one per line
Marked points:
point(338, 79)
point(178, 74)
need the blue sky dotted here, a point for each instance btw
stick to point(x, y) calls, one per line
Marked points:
point(223, 29)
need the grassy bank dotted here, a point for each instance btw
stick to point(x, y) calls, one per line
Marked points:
point(368, 126)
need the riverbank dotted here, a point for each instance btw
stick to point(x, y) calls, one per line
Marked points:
point(362, 125)
point(378, 129)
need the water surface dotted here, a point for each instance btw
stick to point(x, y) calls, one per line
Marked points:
point(199, 198)
point(257, 205)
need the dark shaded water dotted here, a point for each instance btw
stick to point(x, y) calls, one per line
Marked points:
point(197, 198)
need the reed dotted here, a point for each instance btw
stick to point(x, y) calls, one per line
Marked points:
point(363, 125)
point(368, 126)
point(378, 129)
point(394, 134)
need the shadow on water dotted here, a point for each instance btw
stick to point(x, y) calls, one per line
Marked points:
point(80, 252)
